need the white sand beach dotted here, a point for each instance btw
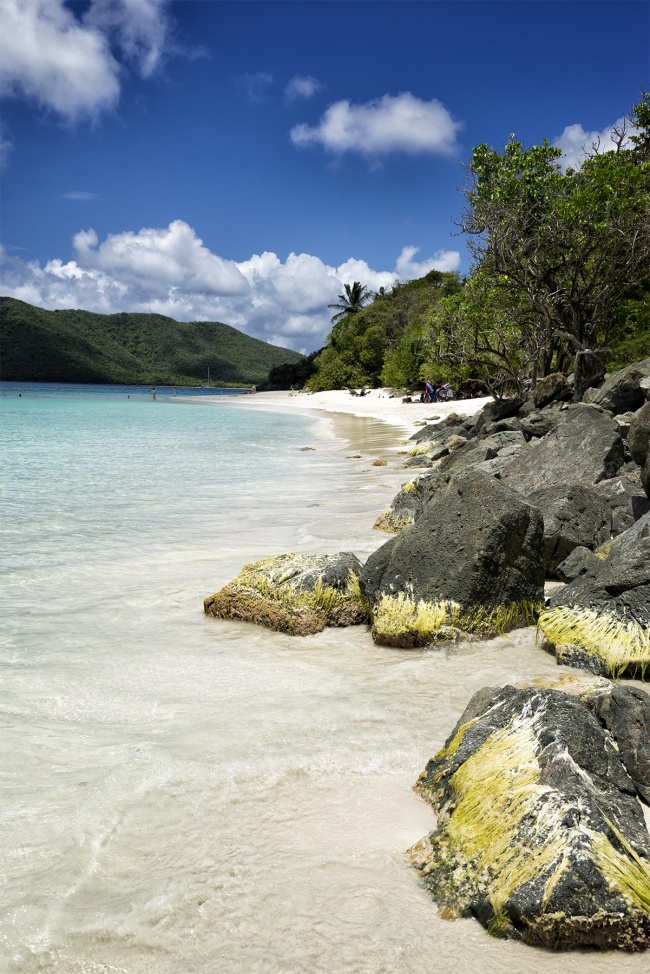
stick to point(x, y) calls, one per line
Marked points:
point(377, 404)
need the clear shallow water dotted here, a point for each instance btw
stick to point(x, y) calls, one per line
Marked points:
point(180, 794)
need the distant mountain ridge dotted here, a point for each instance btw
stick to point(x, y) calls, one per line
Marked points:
point(128, 348)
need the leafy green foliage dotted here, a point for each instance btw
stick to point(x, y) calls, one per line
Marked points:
point(355, 297)
point(562, 249)
point(384, 342)
point(79, 346)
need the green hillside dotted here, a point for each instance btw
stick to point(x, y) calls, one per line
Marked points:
point(80, 346)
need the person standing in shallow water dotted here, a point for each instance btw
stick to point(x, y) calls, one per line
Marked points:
point(153, 393)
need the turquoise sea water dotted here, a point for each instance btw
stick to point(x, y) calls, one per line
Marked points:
point(180, 794)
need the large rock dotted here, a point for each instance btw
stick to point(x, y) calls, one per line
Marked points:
point(539, 832)
point(478, 547)
point(627, 502)
point(540, 422)
point(296, 594)
point(601, 620)
point(624, 390)
point(577, 563)
point(625, 712)
point(586, 448)
point(552, 388)
point(409, 503)
point(638, 437)
point(573, 516)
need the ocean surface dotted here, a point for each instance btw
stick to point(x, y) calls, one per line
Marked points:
point(183, 795)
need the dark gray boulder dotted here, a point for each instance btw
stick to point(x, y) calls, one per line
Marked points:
point(501, 409)
point(601, 620)
point(409, 503)
point(625, 712)
point(620, 585)
point(539, 422)
point(627, 502)
point(586, 448)
point(577, 563)
point(479, 546)
point(625, 390)
point(638, 437)
point(573, 516)
point(539, 833)
point(511, 424)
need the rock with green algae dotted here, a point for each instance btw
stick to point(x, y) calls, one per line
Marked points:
point(601, 620)
point(472, 561)
point(540, 832)
point(296, 594)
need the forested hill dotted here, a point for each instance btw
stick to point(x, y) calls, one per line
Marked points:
point(128, 348)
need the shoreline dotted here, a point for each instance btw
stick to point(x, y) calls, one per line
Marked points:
point(376, 404)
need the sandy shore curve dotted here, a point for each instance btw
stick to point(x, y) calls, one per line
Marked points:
point(377, 404)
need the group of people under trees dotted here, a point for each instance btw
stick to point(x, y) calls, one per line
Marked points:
point(441, 393)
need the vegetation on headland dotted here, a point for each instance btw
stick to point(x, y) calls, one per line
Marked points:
point(148, 349)
point(560, 280)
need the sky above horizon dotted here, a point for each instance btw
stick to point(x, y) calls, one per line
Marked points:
point(243, 160)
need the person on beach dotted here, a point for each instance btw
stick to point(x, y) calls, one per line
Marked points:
point(174, 390)
point(153, 393)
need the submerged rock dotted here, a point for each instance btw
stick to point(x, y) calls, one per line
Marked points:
point(296, 594)
point(540, 835)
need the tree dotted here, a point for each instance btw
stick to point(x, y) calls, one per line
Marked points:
point(560, 250)
point(353, 300)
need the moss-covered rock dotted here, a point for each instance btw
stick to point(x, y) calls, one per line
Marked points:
point(601, 620)
point(540, 834)
point(472, 560)
point(296, 594)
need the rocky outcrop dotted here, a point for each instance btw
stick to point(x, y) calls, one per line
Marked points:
point(573, 516)
point(539, 833)
point(577, 563)
point(473, 559)
point(623, 391)
point(552, 388)
point(627, 501)
point(638, 437)
point(625, 713)
point(586, 448)
point(296, 594)
point(601, 620)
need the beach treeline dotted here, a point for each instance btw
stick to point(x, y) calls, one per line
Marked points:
point(560, 280)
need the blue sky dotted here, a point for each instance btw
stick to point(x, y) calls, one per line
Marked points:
point(242, 161)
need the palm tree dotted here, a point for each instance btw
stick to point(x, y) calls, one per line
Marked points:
point(353, 300)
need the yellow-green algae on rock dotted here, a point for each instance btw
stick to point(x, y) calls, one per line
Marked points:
point(290, 593)
point(600, 641)
point(404, 622)
point(526, 840)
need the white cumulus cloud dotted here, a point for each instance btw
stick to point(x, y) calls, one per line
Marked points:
point(393, 123)
point(69, 65)
point(170, 271)
point(576, 143)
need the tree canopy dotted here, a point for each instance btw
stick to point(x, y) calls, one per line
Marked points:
point(560, 278)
